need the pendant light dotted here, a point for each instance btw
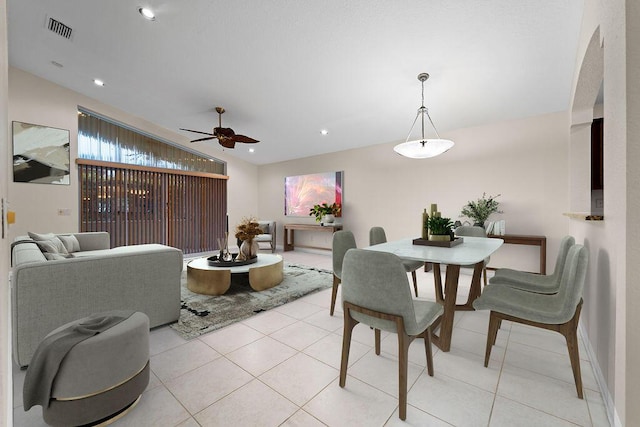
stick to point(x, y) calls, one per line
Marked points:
point(423, 148)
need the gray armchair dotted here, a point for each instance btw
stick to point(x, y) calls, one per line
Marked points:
point(343, 240)
point(268, 234)
point(377, 236)
point(375, 292)
point(544, 284)
point(558, 312)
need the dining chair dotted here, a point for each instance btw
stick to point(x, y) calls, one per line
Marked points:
point(343, 240)
point(375, 292)
point(532, 282)
point(377, 236)
point(558, 312)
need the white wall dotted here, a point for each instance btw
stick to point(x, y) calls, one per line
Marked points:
point(523, 160)
point(610, 314)
point(34, 100)
point(5, 373)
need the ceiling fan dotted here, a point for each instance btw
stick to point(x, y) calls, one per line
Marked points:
point(225, 136)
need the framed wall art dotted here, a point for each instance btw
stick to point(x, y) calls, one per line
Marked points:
point(303, 191)
point(40, 154)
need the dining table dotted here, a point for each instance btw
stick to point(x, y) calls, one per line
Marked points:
point(471, 251)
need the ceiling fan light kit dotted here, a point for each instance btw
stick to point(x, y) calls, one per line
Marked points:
point(423, 148)
point(225, 136)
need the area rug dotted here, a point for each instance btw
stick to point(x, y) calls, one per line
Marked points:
point(201, 314)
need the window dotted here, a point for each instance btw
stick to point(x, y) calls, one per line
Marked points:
point(123, 189)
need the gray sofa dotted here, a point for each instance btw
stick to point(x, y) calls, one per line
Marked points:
point(46, 294)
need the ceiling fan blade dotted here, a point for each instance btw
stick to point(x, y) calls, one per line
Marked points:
point(245, 139)
point(197, 131)
point(227, 143)
point(224, 132)
point(204, 139)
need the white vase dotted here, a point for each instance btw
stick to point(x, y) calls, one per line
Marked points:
point(328, 219)
point(249, 249)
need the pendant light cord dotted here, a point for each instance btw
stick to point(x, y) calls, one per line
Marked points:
point(422, 111)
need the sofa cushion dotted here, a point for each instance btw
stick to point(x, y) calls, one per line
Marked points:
point(264, 228)
point(70, 242)
point(49, 243)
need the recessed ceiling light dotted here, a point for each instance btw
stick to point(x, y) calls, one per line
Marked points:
point(98, 82)
point(147, 13)
point(252, 150)
point(324, 132)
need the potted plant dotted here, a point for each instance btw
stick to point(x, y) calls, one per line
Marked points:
point(440, 228)
point(480, 210)
point(325, 213)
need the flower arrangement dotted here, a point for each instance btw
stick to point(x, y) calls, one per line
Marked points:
point(324, 209)
point(481, 209)
point(248, 229)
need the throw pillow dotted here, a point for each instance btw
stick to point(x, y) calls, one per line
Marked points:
point(49, 243)
point(264, 228)
point(54, 257)
point(70, 242)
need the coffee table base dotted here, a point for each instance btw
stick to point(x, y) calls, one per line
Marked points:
point(203, 278)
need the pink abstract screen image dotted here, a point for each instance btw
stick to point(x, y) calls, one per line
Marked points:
point(303, 191)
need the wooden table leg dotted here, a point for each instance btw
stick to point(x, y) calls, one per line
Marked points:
point(288, 240)
point(476, 288)
point(443, 340)
point(437, 278)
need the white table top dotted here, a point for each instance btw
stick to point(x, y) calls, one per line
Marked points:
point(471, 251)
point(263, 260)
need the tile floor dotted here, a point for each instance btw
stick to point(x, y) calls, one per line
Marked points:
point(280, 368)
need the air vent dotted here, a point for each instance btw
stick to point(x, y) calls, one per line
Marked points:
point(59, 28)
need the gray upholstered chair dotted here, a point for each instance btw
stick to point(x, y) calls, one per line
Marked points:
point(558, 312)
point(268, 234)
point(343, 240)
point(377, 236)
point(544, 284)
point(375, 292)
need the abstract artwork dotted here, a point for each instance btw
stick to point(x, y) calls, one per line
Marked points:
point(40, 154)
point(304, 191)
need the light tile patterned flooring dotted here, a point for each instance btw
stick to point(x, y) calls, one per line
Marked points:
point(281, 367)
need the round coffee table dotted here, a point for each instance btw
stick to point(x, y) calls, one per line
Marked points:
point(204, 278)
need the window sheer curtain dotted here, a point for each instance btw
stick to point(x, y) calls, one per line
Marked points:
point(143, 191)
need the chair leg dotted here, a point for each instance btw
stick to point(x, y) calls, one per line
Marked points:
point(494, 324)
point(377, 340)
point(427, 349)
point(349, 324)
point(403, 361)
point(334, 294)
point(415, 282)
point(484, 273)
point(570, 332)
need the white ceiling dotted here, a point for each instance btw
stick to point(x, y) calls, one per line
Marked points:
point(285, 69)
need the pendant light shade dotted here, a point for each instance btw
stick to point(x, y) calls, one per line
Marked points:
point(423, 148)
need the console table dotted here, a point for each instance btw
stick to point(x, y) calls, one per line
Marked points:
point(519, 239)
point(289, 230)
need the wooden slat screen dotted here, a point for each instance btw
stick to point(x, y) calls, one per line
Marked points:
point(148, 205)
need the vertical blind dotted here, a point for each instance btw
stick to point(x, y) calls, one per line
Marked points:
point(144, 190)
point(139, 205)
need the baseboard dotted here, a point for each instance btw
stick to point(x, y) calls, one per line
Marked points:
point(612, 414)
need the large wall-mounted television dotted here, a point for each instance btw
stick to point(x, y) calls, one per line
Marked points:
point(302, 192)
